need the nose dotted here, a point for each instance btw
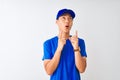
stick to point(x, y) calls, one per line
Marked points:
point(67, 20)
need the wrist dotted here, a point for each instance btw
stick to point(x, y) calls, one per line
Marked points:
point(59, 49)
point(76, 49)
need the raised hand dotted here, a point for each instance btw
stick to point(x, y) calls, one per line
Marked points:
point(61, 40)
point(74, 40)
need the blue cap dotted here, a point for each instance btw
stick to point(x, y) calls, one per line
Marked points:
point(63, 11)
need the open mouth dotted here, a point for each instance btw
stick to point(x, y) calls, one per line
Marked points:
point(67, 26)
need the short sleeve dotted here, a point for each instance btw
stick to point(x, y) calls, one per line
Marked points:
point(82, 47)
point(47, 50)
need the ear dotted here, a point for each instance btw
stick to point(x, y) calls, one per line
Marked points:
point(56, 21)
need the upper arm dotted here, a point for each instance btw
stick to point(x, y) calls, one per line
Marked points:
point(82, 48)
point(84, 58)
point(47, 51)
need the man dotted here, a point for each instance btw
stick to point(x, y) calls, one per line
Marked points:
point(64, 55)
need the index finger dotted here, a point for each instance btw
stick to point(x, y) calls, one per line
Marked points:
point(60, 34)
point(76, 33)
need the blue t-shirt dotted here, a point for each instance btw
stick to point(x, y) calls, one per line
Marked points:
point(66, 69)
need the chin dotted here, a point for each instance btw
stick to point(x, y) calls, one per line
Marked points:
point(66, 31)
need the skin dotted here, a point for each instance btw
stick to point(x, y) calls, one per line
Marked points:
point(65, 23)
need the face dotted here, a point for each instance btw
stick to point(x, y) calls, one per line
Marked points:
point(64, 23)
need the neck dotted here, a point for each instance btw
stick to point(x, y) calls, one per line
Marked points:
point(64, 35)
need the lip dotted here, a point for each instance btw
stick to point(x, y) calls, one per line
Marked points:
point(66, 26)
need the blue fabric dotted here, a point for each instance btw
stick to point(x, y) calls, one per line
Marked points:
point(63, 11)
point(66, 69)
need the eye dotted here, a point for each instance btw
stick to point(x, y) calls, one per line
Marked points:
point(70, 19)
point(63, 18)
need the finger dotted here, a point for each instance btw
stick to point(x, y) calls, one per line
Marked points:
point(60, 34)
point(63, 34)
point(76, 33)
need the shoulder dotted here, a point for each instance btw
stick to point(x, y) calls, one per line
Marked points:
point(51, 39)
point(81, 39)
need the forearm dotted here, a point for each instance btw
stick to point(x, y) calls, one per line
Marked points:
point(53, 63)
point(80, 62)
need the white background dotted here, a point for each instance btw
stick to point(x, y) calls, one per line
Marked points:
point(26, 24)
